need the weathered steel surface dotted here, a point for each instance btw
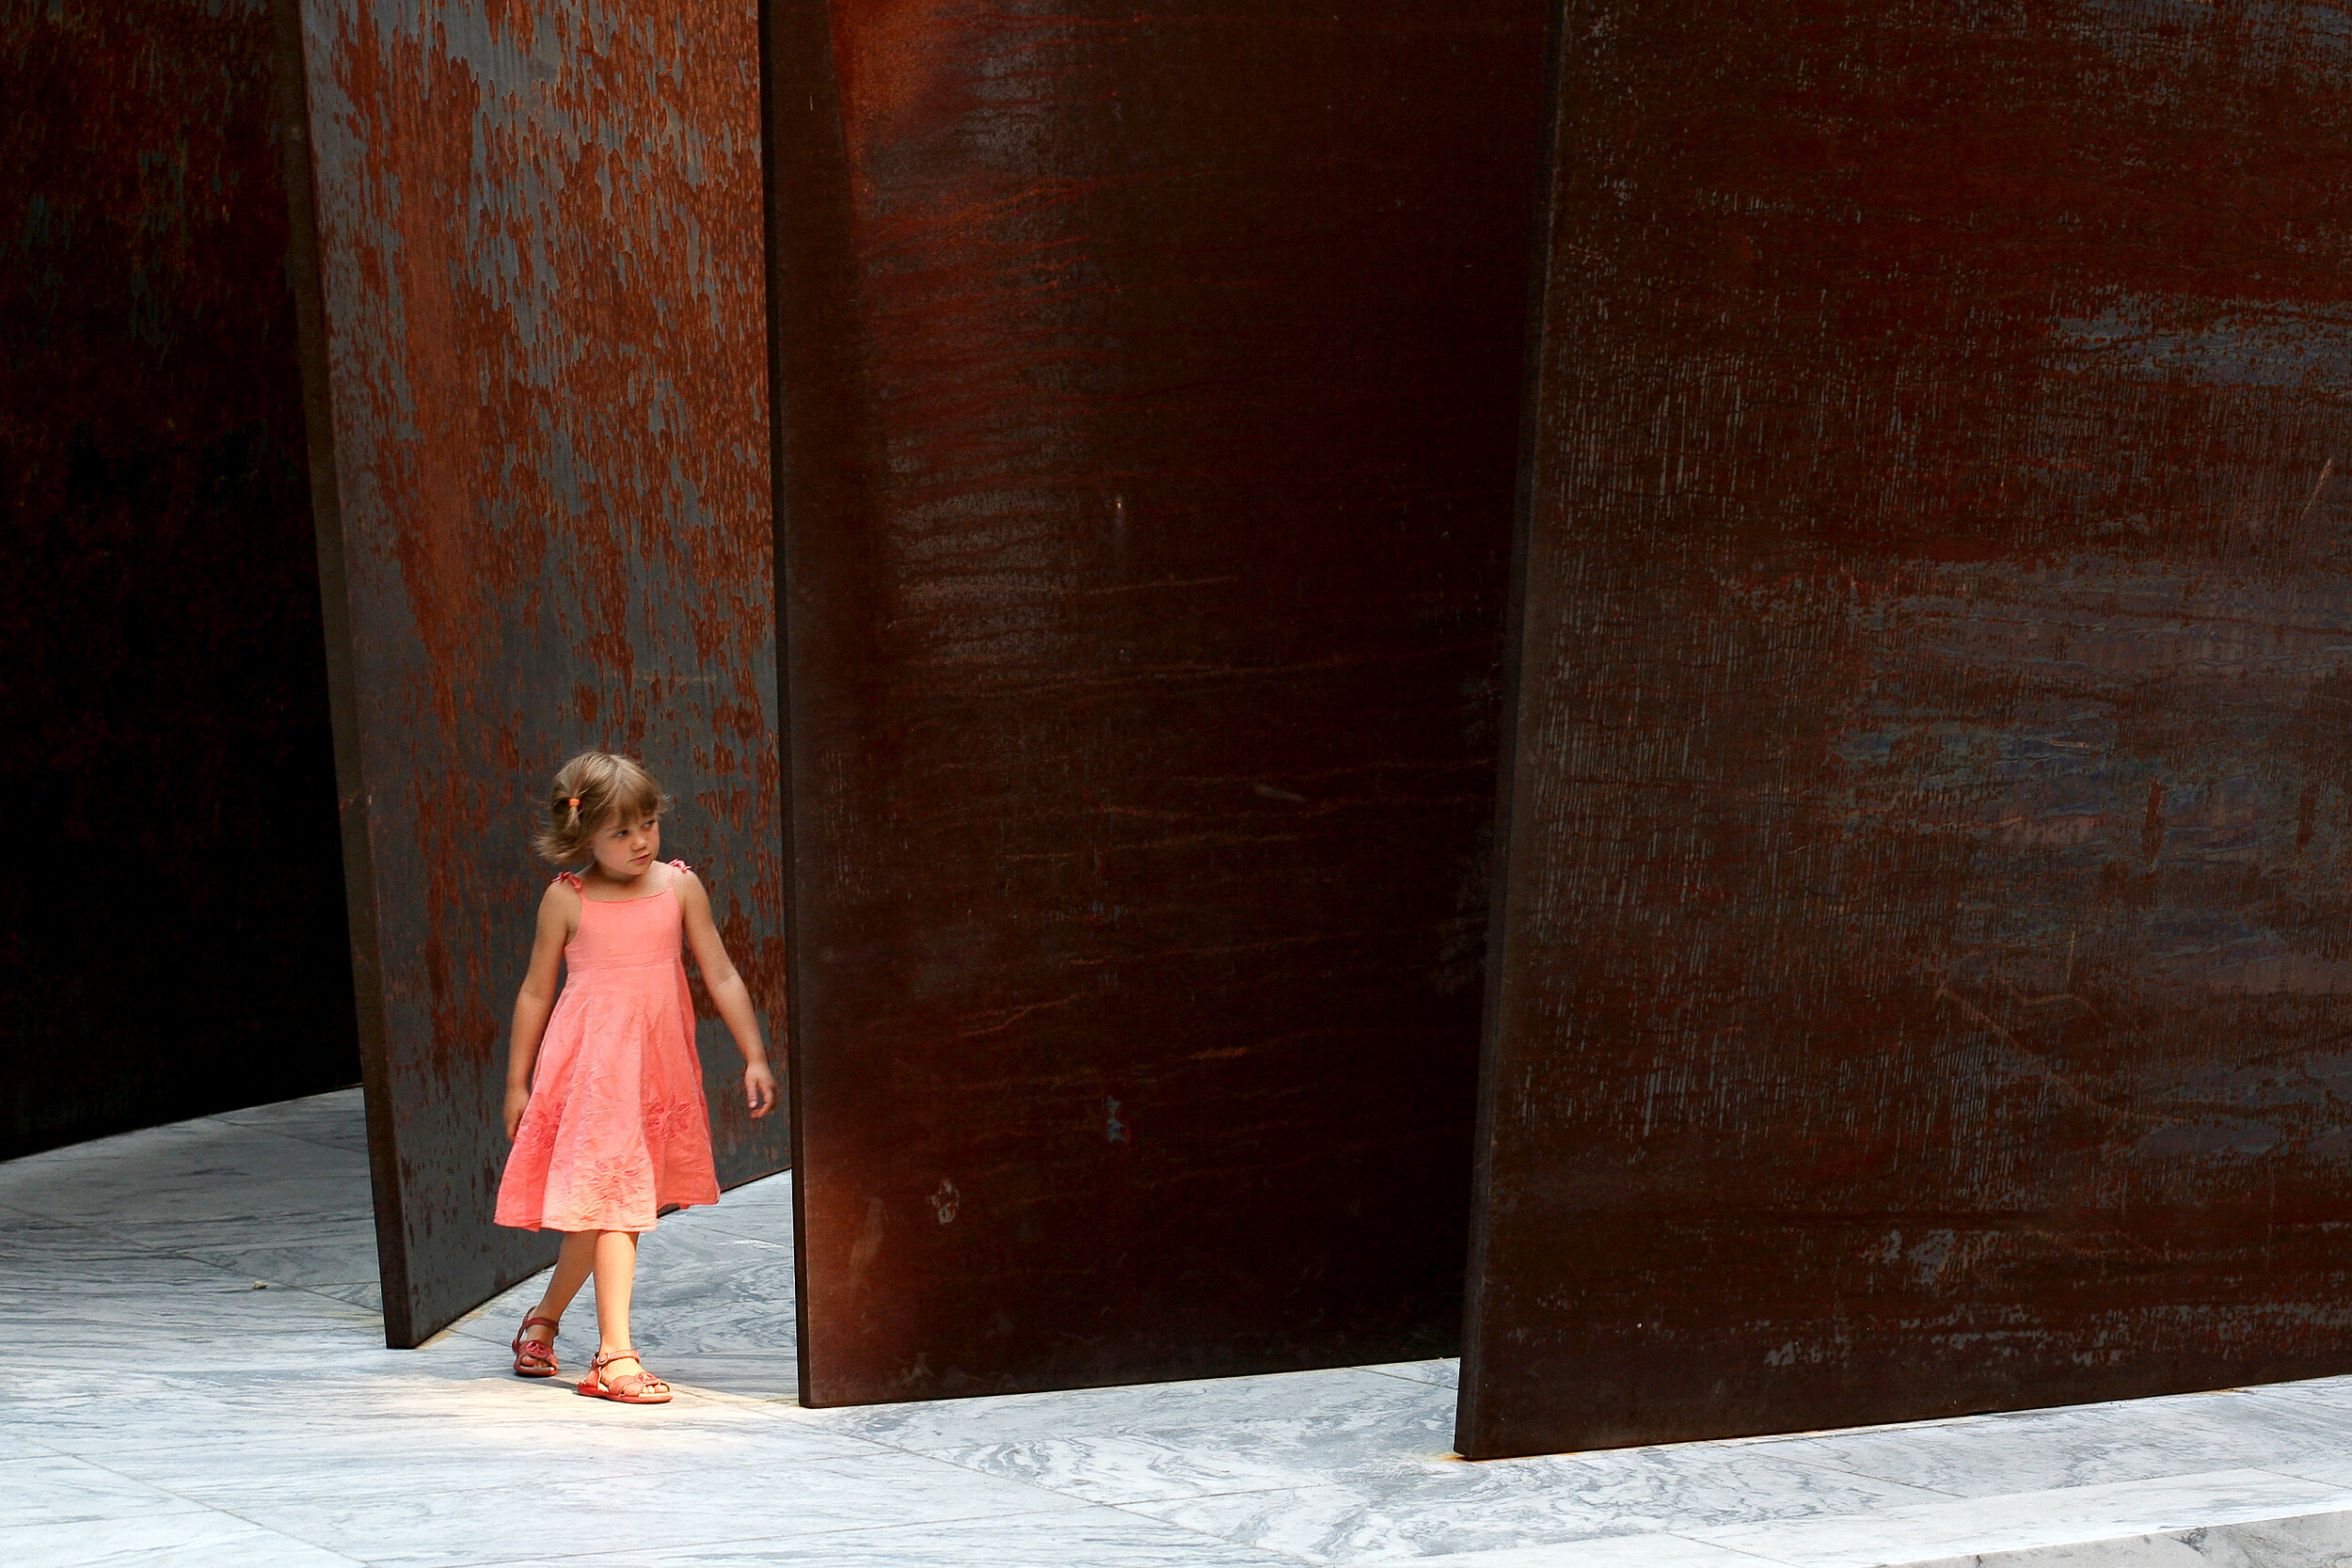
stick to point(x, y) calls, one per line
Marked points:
point(1147, 418)
point(1923, 968)
point(540, 266)
point(173, 944)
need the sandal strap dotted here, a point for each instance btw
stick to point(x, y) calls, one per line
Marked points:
point(549, 1321)
point(646, 1383)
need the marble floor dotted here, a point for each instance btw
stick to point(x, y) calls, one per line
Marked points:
point(198, 1378)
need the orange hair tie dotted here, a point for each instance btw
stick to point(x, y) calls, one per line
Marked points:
point(575, 802)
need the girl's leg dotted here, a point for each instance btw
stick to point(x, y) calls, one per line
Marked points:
point(572, 1265)
point(624, 1377)
point(616, 1272)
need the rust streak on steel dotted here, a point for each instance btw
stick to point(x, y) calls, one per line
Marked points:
point(1925, 961)
point(541, 286)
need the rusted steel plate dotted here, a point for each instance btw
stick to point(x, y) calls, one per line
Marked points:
point(540, 268)
point(1922, 979)
point(160, 678)
point(1147, 404)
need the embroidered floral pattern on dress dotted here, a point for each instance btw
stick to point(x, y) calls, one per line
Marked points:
point(670, 1118)
point(614, 1185)
point(535, 1132)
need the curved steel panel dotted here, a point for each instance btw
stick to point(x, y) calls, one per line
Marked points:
point(1147, 413)
point(540, 276)
point(1925, 967)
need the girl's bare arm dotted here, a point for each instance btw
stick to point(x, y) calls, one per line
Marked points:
point(558, 910)
point(727, 993)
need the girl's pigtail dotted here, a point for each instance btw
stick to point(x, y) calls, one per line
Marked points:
point(571, 817)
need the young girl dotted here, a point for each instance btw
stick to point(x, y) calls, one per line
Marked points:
point(604, 1098)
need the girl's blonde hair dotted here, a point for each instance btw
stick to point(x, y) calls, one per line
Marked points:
point(593, 790)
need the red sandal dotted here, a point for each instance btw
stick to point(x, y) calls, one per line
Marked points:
point(532, 1358)
point(649, 1389)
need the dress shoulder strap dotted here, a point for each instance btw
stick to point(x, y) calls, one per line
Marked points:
point(680, 865)
point(567, 880)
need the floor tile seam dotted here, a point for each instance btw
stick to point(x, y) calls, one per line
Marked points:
point(290, 1535)
point(84, 1226)
point(1705, 1536)
point(2342, 1487)
point(202, 1505)
point(742, 1233)
point(320, 1290)
point(247, 1275)
point(280, 1245)
point(149, 1508)
point(1934, 1494)
point(359, 1155)
point(1406, 1377)
point(1720, 1546)
point(2169, 1532)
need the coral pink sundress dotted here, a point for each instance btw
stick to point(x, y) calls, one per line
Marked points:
point(617, 1130)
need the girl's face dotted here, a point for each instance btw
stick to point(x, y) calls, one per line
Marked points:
point(625, 849)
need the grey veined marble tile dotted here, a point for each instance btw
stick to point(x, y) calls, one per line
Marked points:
point(201, 1236)
point(56, 1489)
point(1385, 1430)
point(770, 1376)
point(368, 1294)
point(338, 1118)
point(2031, 1522)
point(939, 1425)
point(199, 1170)
point(195, 1306)
point(632, 1515)
point(202, 1539)
point(734, 1298)
point(2090, 1445)
point(1076, 1538)
point(50, 1285)
point(317, 1263)
point(2314, 1541)
point(51, 1245)
point(1462, 1507)
point(516, 1453)
point(1598, 1551)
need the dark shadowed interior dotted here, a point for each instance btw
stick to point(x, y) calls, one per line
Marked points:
point(174, 937)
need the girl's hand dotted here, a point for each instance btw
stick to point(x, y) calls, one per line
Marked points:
point(759, 1088)
point(517, 1101)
